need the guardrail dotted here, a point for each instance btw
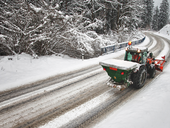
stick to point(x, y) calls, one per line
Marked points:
point(113, 48)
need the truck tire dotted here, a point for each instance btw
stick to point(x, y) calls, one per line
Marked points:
point(152, 72)
point(139, 77)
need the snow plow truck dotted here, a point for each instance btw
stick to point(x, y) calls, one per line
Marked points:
point(137, 66)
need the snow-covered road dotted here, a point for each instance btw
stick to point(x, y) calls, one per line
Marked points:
point(69, 99)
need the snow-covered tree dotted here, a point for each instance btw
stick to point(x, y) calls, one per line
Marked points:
point(163, 14)
point(127, 18)
point(147, 13)
point(71, 6)
point(155, 19)
point(28, 26)
point(70, 27)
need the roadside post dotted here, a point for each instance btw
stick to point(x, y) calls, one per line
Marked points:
point(82, 56)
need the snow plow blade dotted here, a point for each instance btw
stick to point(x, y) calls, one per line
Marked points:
point(159, 64)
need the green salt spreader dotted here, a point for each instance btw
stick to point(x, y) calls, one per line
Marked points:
point(134, 69)
point(120, 72)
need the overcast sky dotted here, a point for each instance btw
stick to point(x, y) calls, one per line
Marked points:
point(157, 2)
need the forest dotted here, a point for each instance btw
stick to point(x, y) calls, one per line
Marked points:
point(74, 27)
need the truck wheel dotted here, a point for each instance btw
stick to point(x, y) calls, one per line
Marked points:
point(139, 78)
point(152, 72)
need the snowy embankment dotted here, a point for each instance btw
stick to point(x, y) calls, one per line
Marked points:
point(164, 32)
point(150, 107)
point(22, 69)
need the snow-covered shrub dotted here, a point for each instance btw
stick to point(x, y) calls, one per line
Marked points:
point(92, 34)
point(97, 26)
point(41, 28)
point(76, 42)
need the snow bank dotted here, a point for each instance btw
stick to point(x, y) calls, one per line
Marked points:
point(165, 30)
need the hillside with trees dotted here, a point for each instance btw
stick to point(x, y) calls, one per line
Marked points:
point(72, 27)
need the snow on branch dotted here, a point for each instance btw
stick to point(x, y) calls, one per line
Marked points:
point(36, 9)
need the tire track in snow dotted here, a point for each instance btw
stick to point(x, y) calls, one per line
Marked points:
point(53, 87)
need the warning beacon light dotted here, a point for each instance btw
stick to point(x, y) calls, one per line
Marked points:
point(129, 43)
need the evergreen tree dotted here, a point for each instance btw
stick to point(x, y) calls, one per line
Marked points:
point(164, 14)
point(155, 19)
point(147, 13)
